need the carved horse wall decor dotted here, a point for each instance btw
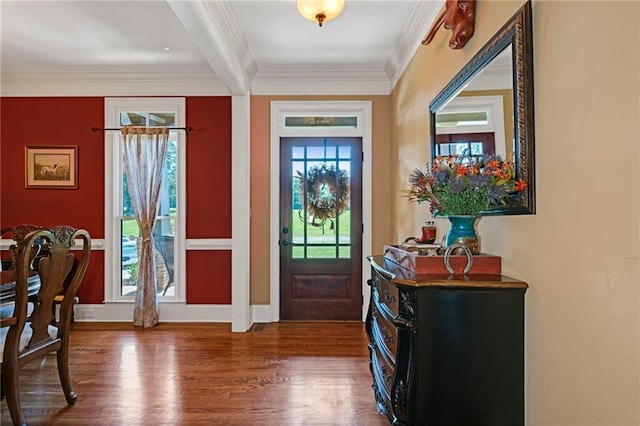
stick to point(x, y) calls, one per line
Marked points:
point(457, 16)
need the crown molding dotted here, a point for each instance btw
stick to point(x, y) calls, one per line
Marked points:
point(268, 82)
point(112, 84)
point(499, 76)
point(320, 80)
point(491, 82)
point(216, 33)
point(422, 16)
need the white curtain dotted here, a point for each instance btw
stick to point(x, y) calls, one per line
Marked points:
point(145, 149)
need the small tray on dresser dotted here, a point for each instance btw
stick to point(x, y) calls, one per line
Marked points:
point(419, 263)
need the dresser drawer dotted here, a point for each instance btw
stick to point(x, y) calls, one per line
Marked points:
point(385, 334)
point(387, 292)
point(382, 370)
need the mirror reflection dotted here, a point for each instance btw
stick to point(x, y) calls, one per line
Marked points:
point(478, 120)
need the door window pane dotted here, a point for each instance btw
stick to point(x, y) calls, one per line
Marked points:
point(344, 252)
point(476, 148)
point(452, 119)
point(297, 152)
point(321, 122)
point(321, 202)
point(327, 252)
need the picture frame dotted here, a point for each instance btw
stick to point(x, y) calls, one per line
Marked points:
point(51, 166)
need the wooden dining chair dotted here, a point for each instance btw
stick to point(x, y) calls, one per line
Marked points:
point(26, 338)
point(17, 233)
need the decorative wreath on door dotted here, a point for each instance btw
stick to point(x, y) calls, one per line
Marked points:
point(327, 192)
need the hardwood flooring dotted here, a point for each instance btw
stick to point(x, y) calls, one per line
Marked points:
point(202, 374)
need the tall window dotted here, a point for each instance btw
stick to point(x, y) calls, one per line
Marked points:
point(122, 253)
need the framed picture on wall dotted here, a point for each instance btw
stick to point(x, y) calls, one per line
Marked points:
point(51, 166)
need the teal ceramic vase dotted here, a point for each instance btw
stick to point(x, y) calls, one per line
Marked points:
point(463, 231)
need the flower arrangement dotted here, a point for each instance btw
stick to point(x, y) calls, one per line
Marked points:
point(463, 185)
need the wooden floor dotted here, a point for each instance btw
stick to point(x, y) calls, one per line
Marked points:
point(202, 374)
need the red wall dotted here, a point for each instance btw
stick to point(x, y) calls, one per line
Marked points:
point(52, 121)
point(212, 270)
point(209, 167)
point(68, 121)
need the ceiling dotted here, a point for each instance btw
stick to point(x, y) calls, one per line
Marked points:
point(237, 46)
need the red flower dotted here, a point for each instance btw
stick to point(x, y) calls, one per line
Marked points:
point(520, 185)
point(493, 164)
point(501, 174)
point(462, 171)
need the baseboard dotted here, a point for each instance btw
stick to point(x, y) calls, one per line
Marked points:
point(260, 313)
point(169, 312)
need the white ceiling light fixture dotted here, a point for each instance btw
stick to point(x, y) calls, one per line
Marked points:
point(320, 11)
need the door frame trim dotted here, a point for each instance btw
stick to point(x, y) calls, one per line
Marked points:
point(281, 109)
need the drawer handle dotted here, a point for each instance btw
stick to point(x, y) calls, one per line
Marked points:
point(373, 282)
point(387, 336)
point(388, 297)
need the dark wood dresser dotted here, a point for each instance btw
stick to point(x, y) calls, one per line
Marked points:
point(446, 350)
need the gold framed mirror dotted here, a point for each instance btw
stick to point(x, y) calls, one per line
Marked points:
point(487, 108)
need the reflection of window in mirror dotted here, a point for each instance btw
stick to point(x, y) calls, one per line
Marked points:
point(473, 115)
point(484, 105)
point(466, 144)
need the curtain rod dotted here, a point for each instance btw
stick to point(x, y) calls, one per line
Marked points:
point(98, 129)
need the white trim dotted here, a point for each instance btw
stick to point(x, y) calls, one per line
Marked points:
point(279, 110)
point(66, 84)
point(169, 312)
point(190, 244)
point(319, 80)
point(215, 31)
point(113, 191)
point(97, 244)
point(421, 18)
point(240, 211)
point(180, 263)
point(276, 81)
point(209, 244)
point(260, 313)
point(492, 105)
